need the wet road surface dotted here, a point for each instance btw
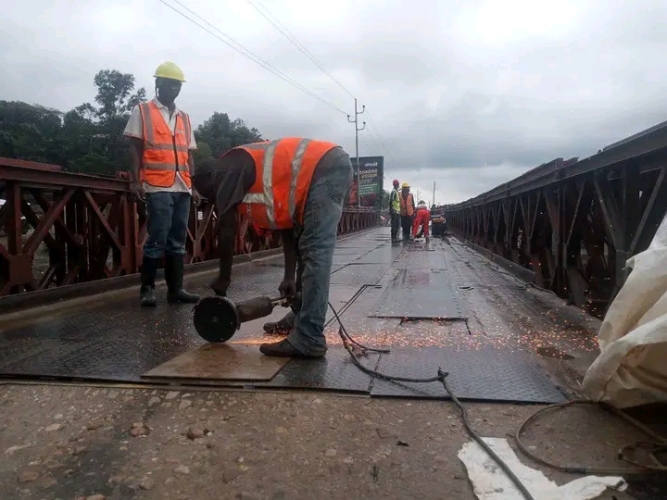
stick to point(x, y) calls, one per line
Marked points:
point(437, 305)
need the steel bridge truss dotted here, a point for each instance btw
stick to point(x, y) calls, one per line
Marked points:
point(574, 223)
point(59, 228)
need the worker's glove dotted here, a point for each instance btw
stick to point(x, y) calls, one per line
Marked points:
point(287, 288)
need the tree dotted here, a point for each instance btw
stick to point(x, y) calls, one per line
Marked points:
point(89, 138)
point(203, 152)
point(116, 98)
point(29, 132)
point(221, 134)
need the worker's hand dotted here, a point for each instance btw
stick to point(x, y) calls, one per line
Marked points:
point(196, 198)
point(219, 287)
point(137, 189)
point(287, 288)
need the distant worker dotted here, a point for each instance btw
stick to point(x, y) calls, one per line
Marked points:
point(161, 139)
point(296, 186)
point(422, 219)
point(407, 210)
point(395, 210)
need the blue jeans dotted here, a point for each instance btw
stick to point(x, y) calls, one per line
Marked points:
point(322, 213)
point(167, 223)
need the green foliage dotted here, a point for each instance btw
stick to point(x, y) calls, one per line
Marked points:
point(89, 138)
point(220, 133)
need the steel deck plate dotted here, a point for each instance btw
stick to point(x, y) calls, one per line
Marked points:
point(384, 254)
point(484, 375)
point(219, 362)
point(420, 294)
point(102, 359)
point(367, 274)
point(335, 372)
point(114, 339)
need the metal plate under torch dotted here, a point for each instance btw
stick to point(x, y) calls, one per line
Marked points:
point(220, 362)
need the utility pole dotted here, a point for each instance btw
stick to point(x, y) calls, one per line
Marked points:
point(433, 204)
point(356, 141)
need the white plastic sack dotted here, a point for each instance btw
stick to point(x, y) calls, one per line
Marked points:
point(632, 366)
point(490, 483)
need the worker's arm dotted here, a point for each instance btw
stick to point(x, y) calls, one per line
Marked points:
point(136, 147)
point(226, 239)
point(192, 147)
point(191, 167)
point(134, 132)
point(289, 249)
point(136, 152)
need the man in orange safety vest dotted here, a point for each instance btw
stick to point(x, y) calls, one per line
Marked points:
point(296, 186)
point(407, 210)
point(161, 140)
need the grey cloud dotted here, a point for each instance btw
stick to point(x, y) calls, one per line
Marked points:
point(446, 102)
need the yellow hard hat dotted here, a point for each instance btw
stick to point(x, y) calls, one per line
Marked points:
point(169, 70)
point(405, 185)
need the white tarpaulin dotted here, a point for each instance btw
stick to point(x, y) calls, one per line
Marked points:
point(491, 483)
point(632, 366)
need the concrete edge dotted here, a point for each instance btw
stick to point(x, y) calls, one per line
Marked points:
point(42, 300)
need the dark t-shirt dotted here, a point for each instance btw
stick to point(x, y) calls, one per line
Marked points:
point(225, 181)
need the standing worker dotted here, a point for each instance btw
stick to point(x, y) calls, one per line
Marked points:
point(395, 211)
point(422, 219)
point(296, 186)
point(161, 138)
point(407, 210)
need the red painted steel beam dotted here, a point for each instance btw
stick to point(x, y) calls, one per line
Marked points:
point(51, 178)
point(93, 228)
point(33, 165)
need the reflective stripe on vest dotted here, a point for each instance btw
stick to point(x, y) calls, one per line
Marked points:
point(283, 169)
point(407, 204)
point(164, 152)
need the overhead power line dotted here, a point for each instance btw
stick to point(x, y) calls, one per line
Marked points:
point(266, 14)
point(230, 42)
point(273, 20)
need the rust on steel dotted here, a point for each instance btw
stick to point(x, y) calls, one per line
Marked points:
point(59, 228)
point(574, 223)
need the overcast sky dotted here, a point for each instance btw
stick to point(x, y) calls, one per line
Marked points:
point(466, 93)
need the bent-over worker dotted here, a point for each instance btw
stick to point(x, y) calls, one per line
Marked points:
point(161, 139)
point(296, 186)
point(422, 219)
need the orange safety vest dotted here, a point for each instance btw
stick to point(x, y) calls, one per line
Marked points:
point(283, 171)
point(407, 204)
point(164, 153)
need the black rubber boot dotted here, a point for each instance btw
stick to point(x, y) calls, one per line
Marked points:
point(173, 275)
point(148, 272)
